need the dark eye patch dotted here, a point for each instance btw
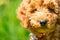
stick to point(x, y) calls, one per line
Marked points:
point(51, 9)
point(33, 10)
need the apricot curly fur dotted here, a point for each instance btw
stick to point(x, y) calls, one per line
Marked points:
point(31, 12)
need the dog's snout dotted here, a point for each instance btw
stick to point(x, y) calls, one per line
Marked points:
point(43, 22)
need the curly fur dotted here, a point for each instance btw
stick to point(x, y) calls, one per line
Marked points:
point(30, 12)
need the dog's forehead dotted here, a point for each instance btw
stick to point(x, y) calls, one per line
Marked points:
point(41, 3)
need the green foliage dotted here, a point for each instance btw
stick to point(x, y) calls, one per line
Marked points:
point(10, 28)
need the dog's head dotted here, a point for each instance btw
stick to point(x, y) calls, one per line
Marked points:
point(39, 16)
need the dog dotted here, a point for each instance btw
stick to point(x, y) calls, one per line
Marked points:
point(41, 18)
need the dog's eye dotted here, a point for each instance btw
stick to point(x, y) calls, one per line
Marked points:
point(33, 10)
point(50, 9)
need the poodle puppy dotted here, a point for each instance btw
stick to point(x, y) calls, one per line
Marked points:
point(41, 18)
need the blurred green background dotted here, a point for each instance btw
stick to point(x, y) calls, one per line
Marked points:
point(10, 28)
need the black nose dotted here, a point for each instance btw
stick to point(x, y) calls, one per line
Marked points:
point(43, 22)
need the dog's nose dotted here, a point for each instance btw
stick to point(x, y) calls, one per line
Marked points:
point(43, 22)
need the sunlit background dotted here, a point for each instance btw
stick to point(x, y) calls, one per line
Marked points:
point(10, 28)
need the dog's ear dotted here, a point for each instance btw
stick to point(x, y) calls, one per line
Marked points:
point(21, 14)
point(58, 19)
point(59, 10)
